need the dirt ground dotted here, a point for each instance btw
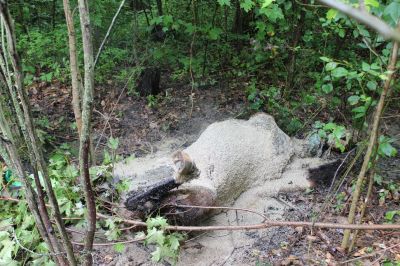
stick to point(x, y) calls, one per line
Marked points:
point(142, 130)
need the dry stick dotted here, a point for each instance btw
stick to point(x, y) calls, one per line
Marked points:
point(370, 255)
point(366, 18)
point(372, 140)
point(74, 66)
point(343, 178)
point(84, 144)
point(30, 137)
point(364, 206)
point(219, 208)
point(108, 32)
point(191, 59)
point(264, 225)
point(31, 198)
point(111, 243)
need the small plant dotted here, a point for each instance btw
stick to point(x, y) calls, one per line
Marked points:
point(390, 216)
point(335, 135)
point(340, 200)
point(152, 101)
point(390, 190)
point(167, 244)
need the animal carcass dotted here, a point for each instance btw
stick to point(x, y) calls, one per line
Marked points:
point(228, 159)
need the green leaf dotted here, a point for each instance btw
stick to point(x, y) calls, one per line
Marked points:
point(330, 66)
point(372, 3)
point(342, 33)
point(247, 5)
point(155, 236)
point(372, 85)
point(156, 254)
point(390, 215)
point(327, 88)
point(71, 172)
point(157, 222)
point(113, 143)
point(168, 20)
point(329, 126)
point(339, 132)
point(331, 14)
point(339, 72)
point(273, 12)
point(224, 2)
point(7, 249)
point(266, 3)
point(365, 67)
point(387, 149)
point(378, 179)
point(119, 247)
point(189, 28)
point(214, 33)
point(353, 100)
point(360, 109)
point(392, 11)
point(325, 59)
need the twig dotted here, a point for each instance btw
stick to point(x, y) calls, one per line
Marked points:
point(31, 251)
point(264, 225)
point(337, 170)
point(108, 32)
point(220, 208)
point(110, 243)
point(373, 136)
point(370, 255)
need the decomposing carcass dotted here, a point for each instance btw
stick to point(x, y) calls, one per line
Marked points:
point(230, 158)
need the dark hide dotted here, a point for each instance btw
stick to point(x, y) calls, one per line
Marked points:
point(149, 81)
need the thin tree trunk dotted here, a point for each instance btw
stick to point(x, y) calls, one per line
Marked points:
point(73, 63)
point(298, 31)
point(372, 140)
point(30, 137)
point(87, 108)
point(38, 209)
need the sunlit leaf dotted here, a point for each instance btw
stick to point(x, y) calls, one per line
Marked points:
point(331, 14)
point(353, 100)
point(339, 72)
point(327, 88)
point(224, 2)
point(266, 3)
point(247, 5)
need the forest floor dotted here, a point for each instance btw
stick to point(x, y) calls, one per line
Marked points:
point(141, 131)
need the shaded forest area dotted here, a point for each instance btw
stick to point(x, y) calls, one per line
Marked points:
point(87, 84)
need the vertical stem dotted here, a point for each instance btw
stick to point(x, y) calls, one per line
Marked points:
point(31, 138)
point(363, 207)
point(372, 140)
point(87, 107)
point(73, 63)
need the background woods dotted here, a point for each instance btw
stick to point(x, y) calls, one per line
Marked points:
point(85, 84)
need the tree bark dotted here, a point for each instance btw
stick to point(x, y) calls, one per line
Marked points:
point(87, 108)
point(73, 63)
